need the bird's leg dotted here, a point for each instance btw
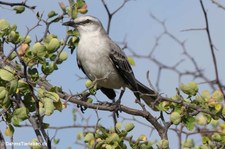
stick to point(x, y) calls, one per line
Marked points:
point(118, 108)
point(121, 95)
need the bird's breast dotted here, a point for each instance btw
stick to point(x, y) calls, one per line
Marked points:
point(95, 60)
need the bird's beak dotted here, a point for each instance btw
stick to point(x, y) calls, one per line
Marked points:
point(69, 23)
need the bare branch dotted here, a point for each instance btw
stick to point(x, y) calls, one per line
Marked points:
point(2, 141)
point(218, 4)
point(212, 48)
point(17, 4)
point(110, 14)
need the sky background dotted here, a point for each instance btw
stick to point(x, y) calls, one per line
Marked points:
point(133, 24)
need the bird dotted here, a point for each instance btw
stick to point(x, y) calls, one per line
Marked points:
point(104, 62)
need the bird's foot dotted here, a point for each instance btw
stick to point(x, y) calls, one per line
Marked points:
point(118, 107)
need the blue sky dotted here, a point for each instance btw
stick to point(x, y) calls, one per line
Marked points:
point(134, 23)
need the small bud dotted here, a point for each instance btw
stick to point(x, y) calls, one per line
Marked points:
point(62, 6)
point(88, 83)
point(19, 9)
point(118, 125)
point(190, 89)
point(52, 14)
point(83, 9)
point(38, 48)
point(163, 144)
point(188, 143)
point(63, 56)
point(23, 48)
point(88, 137)
point(9, 131)
point(114, 137)
point(129, 127)
point(142, 138)
point(201, 120)
point(27, 40)
point(53, 45)
point(216, 137)
point(218, 96)
point(4, 24)
point(175, 118)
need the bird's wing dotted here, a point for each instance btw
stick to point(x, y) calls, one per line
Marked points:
point(122, 65)
point(80, 66)
point(110, 93)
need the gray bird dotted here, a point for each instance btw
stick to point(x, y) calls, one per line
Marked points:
point(104, 62)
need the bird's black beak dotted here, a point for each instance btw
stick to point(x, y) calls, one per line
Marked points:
point(69, 23)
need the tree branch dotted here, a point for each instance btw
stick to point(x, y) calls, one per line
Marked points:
point(17, 4)
point(212, 48)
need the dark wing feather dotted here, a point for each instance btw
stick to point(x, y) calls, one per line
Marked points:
point(110, 93)
point(122, 65)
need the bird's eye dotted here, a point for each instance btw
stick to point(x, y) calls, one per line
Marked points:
point(88, 21)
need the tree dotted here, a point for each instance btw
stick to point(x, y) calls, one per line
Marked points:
point(28, 97)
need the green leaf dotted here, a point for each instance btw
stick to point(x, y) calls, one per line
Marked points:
point(216, 137)
point(72, 11)
point(7, 73)
point(52, 95)
point(33, 72)
point(21, 113)
point(14, 37)
point(16, 121)
point(6, 101)
point(23, 86)
point(205, 140)
point(56, 141)
point(189, 122)
point(48, 68)
point(13, 86)
point(3, 93)
point(48, 106)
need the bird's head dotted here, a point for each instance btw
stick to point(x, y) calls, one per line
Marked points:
point(85, 24)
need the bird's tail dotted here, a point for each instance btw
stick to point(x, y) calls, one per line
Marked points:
point(148, 95)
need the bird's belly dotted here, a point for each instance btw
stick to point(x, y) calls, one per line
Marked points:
point(103, 72)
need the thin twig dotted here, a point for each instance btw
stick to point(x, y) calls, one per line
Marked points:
point(212, 48)
point(17, 4)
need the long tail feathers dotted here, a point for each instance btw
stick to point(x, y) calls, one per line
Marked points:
point(145, 93)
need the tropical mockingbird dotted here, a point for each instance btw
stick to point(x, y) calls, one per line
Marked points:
point(104, 62)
